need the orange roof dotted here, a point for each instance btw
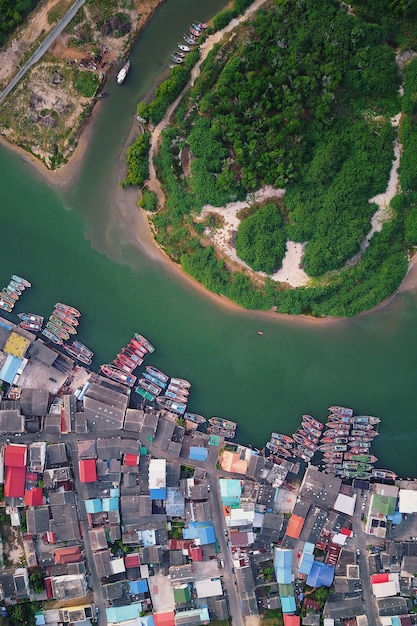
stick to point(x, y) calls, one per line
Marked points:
point(33, 497)
point(295, 526)
point(291, 620)
point(15, 455)
point(231, 462)
point(71, 554)
point(196, 553)
point(164, 619)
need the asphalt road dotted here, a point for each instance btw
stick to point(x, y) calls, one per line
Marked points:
point(43, 47)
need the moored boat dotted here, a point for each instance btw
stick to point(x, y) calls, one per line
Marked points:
point(12, 293)
point(122, 366)
point(383, 474)
point(177, 59)
point(308, 435)
point(189, 39)
point(329, 447)
point(52, 337)
point(145, 394)
point(31, 317)
point(361, 458)
point(80, 346)
point(76, 354)
point(59, 332)
point(9, 295)
point(171, 405)
point(68, 319)
point(311, 420)
point(157, 373)
point(154, 380)
point(132, 355)
point(180, 382)
point(5, 296)
point(121, 76)
point(194, 417)
point(22, 281)
point(115, 374)
point(183, 48)
point(6, 306)
point(183, 391)
point(194, 32)
point(175, 396)
point(142, 340)
point(370, 419)
point(340, 410)
point(277, 449)
point(338, 426)
point(304, 442)
point(18, 286)
point(68, 309)
point(61, 324)
point(282, 437)
point(30, 326)
point(148, 386)
point(220, 422)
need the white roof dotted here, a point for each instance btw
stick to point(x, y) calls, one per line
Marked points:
point(339, 539)
point(345, 504)
point(384, 590)
point(408, 501)
point(118, 565)
point(328, 621)
point(157, 473)
point(208, 588)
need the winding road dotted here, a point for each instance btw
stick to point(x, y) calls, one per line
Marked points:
point(43, 47)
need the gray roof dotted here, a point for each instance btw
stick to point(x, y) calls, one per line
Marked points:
point(102, 562)
point(313, 525)
point(65, 587)
point(135, 510)
point(81, 423)
point(338, 606)
point(98, 539)
point(179, 572)
point(86, 449)
point(58, 498)
point(41, 352)
point(164, 434)
point(51, 477)
point(37, 520)
point(320, 488)
point(113, 591)
point(109, 448)
point(11, 421)
point(34, 401)
point(57, 454)
point(52, 424)
point(4, 333)
point(392, 606)
point(110, 397)
point(101, 416)
point(176, 557)
point(255, 466)
point(7, 582)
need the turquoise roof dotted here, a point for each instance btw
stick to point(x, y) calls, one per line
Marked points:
point(115, 614)
point(93, 505)
point(309, 547)
point(114, 492)
point(288, 604)
point(110, 504)
point(230, 491)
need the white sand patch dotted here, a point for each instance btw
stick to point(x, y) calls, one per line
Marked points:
point(223, 238)
point(291, 271)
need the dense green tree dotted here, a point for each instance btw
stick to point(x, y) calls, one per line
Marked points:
point(261, 239)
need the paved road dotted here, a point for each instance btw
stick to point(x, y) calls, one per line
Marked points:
point(43, 47)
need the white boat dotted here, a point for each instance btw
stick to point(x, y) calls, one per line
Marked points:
point(183, 48)
point(121, 76)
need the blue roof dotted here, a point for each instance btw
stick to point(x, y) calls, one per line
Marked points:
point(283, 557)
point(123, 613)
point(321, 575)
point(146, 620)
point(309, 547)
point(204, 531)
point(397, 518)
point(5, 324)
point(158, 494)
point(230, 491)
point(93, 505)
point(10, 367)
point(395, 621)
point(110, 504)
point(114, 492)
point(288, 604)
point(138, 586)
point(198, 453)
point(306, 563)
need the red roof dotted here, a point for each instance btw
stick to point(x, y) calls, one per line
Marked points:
point(88, 472)
point(31, 477)
point(132, 560)
point(164, 619)
point(196, 553)
point(379, 578)
point(131, 460)
point(15, 455)
point(179, 544)
point(295, 526)
point(33, 497)
point(48, 588)
point(14, 483)
point(72, 554)
point(292, 620)
point(346, 531)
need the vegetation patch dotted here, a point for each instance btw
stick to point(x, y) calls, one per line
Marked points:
point(261, 239)
point(85, 83)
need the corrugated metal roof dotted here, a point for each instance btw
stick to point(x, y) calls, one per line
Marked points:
point(10, 368)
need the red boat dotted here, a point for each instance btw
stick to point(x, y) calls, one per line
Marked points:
point(71, 320)
point(115, 374)
point(310, 420)
point(122, 366)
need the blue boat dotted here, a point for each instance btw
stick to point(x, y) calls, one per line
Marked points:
point(154, 380)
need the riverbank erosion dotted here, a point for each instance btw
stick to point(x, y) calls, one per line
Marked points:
point(340, 245)
point(47, 112)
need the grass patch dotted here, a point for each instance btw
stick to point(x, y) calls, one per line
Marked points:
point(58, 11)
point(85, 83)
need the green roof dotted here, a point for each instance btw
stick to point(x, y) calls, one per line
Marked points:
point(214, 440)
point(286, 590)
point(384, 505)
point(182, 594)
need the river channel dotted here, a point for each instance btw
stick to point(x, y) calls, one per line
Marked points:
point(75, 249)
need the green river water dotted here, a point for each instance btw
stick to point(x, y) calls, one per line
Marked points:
point(74, 248)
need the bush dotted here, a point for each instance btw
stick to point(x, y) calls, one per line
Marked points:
point(137, 162)
point(261, 240)
point(85, 83)
point(149, 201)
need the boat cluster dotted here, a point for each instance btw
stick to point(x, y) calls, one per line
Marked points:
point(170, 393)
point(196, 29)
point(345, 443)
point(11, 294)
point(130, 357)
point(220, 426)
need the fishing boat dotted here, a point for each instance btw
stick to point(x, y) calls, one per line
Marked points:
point(171, 405)
point(365, 467)
point(201, 25)
point(122, 366)
point(117, 375)
point(196, 27)
point(312, 421)
point(59, 332)
point(12, 295)
point(370, 419)
point(354, 450)
point(336, 433)
point(145, 394)
point(6, 306)
point(132, 354)
point(177, 59)
point(276, 449)
point(122, 358)
point(336, 447)
point(308, 435)
point(360, 444)
point(304, 442)
point(52, 337)
point(121, 76)
point(80, 346)
point(66, 308)
point(30, 326)
point(180, 390)
point(154, 380)
point(183, 48)
point(175, 396)
point(222, 432)
point(189, 39)
point(18, 286)
point(157, 373)
point(144, 342)
point(306, 453)
point(22, 281)
point(338, 426)
point(316, 432)
point(137, 347)
point(194, 32)
point(31, 317)
point(68, 319)
point(282, 437)
point(220, 422)
point(333, 456)
point(341, 410)
point(5, 296)
point(194, 417)
point(361, 458)
point(87, 360)
point(180, 382)
point(384, 474)
point(148, 386)
point(61, 324)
